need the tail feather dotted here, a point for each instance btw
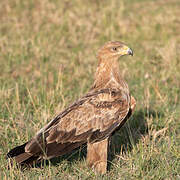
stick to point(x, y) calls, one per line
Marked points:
point(16, 151)
point(20, 156)
point(55, 149)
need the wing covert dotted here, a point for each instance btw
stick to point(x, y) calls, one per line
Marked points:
point(99, 114)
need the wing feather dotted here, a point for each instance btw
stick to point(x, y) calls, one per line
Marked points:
point(93, 117)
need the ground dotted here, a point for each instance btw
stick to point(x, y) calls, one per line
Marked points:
point(48, 59)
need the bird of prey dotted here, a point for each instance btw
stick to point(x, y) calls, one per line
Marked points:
point(92, 119)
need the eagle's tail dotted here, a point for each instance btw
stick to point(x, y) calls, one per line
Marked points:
point(54, 149)
point(21, 157)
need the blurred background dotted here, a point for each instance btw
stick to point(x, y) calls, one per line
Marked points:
point(48, 59)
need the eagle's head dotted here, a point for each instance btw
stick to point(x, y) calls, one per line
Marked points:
point(114, 50)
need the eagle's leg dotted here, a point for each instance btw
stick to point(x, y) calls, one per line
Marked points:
point(97, 155)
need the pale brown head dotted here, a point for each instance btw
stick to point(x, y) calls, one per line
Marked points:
point(108, 66)
point(114, 50)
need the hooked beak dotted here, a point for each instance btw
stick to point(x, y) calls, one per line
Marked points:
point(130, 52)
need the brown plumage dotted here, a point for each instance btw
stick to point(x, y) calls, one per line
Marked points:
point(91, 119)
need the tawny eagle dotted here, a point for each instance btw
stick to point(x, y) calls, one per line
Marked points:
point(92, 119)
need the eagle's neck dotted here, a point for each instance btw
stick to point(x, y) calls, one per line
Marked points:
point(108, 75)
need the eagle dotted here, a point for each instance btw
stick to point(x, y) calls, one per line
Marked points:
point(92, 119)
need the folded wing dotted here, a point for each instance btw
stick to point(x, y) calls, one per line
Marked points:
point(92, 118)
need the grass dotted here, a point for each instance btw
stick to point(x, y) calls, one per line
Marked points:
point(48, 58)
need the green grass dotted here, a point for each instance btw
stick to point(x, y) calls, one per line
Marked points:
point(48, 59)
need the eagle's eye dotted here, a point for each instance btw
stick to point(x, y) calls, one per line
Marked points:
point(114, 49)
